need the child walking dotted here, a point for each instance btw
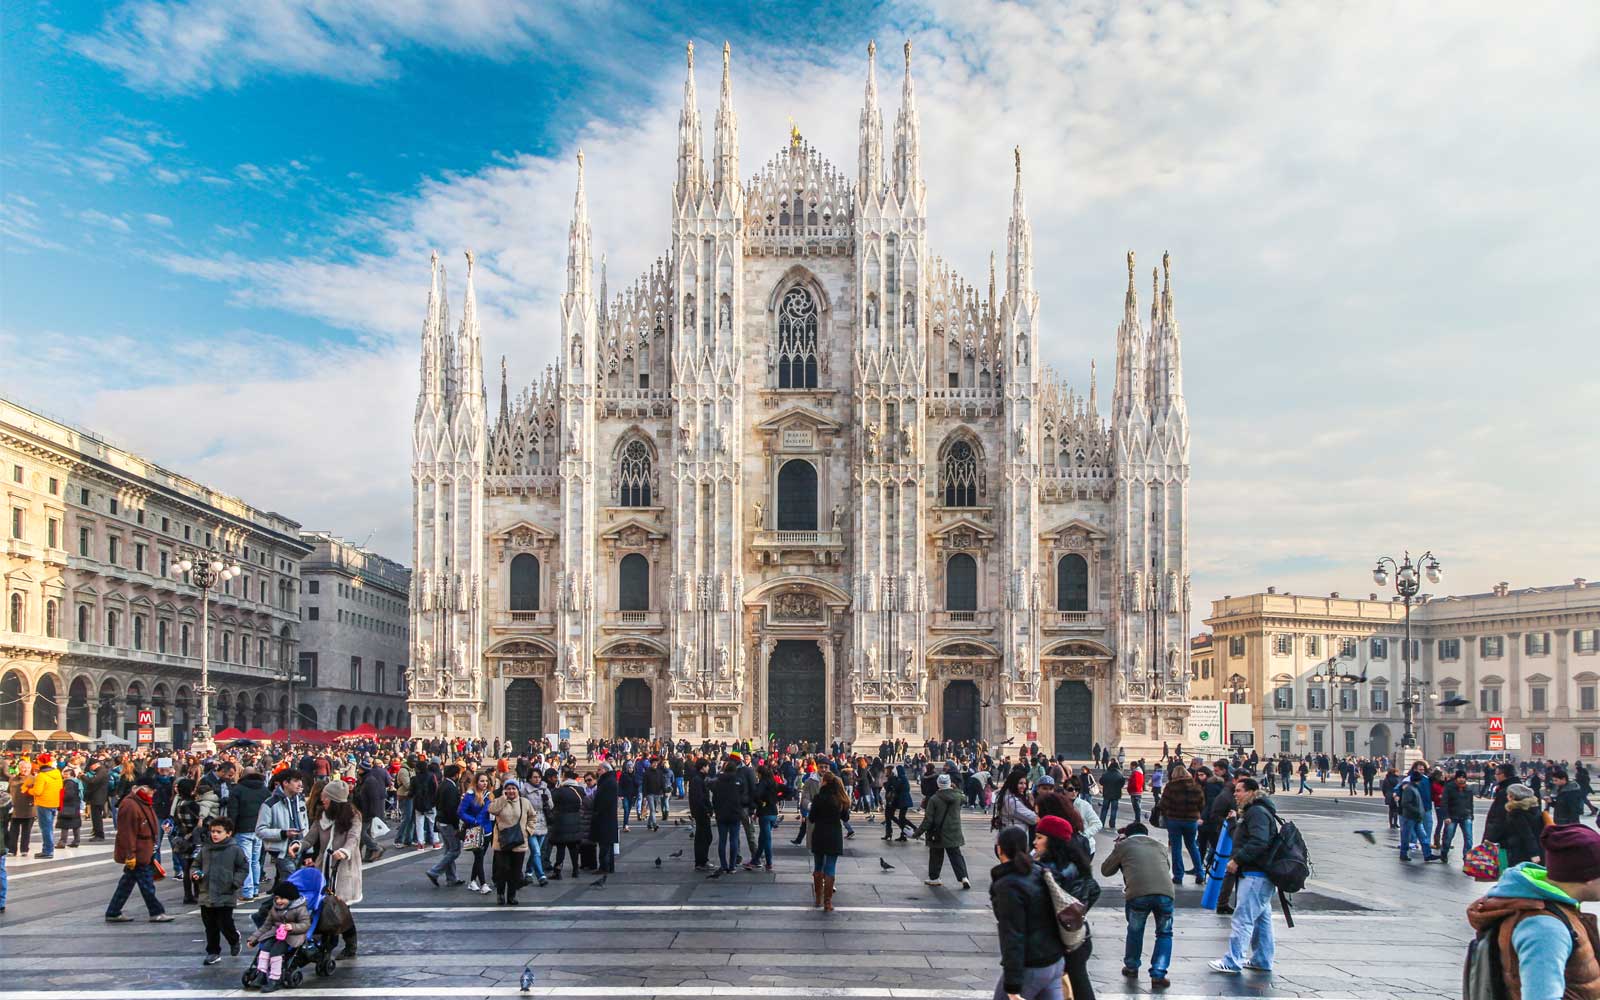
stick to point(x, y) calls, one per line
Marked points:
point(219, 871)
point(283, 931)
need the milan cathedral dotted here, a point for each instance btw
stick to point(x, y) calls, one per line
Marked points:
point(800, 479)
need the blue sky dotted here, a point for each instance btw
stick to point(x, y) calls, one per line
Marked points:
point(215, 219)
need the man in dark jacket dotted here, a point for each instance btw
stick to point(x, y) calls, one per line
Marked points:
point(96, 793)
point(941, 825)
point(1567, 800)
point(424, 804)
point(1030, 942)
point(369, 798)
point(1494, 824)
point(728, 802)
point(1111, 783)
point(1413, 817)
point(448, 818)
point(603, 829)
point(700, 812)
point(1250, 943)
point(243, 809)
point(1457, 814)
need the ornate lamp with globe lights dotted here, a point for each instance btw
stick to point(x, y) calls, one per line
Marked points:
point(1331, 675)
point(205, 570)
point(1407, 581)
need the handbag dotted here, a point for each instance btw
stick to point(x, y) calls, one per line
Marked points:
point(1070, 913)
point(511, 837)
point(1482, 863)
point(473, 840)
point(379, 827)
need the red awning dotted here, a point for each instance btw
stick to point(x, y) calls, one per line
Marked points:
point(278, 735)
point(256, 734)
point(365, 729)
point(229, 734)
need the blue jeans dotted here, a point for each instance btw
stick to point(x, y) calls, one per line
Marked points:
point(1450, 828)
point(1414, 830)
point(1108, 813)
point(143, 876)
point(252, 853)
point(656, 807)
point(3, 882)
point(728, 835)
point(764, 841)
point(1250, 937)
point(627, 808)
point(446, 865)
point(47, 829)
point(1138, 910)
point(1183, 833)
point(826, 864)
point(408, 824)
point(536, 855)
point(1041, 983)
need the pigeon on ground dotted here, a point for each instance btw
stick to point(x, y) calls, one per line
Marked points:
point(678, 853)
point(886, 866)
point(527, 978)
point(715, 874)
point(658, 860)
point(1371, 839)
point(599, 882)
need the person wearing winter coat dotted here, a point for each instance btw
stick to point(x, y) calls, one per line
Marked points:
point(1111, 785)
point(371, 793)
point(46, 791)
point(425, 805)
point(69, 822)
point(537, 795)
point(473, 811)
point(729, 801)
point(1413, 818)
point(5, 826)
point(20, 785)
point(333, 844)
point(628, 793)
point(289, 916)
point(566, 820)
point(896, 801)
point(603, 826)
point(1523, 825)
point(513, 824)
point(1533, 914)
point(1567, 801)
point(449, 817)
point(220, 870)
point(830, 811)
point(941, 831)
point(1458, 814)
point(243, 810)
point(96, 793)
point(138, 836)
point(1250, 939)
point(281, 822)
point(1146, 866)
point(1012, 806)
point(1504, 777)
point(1135, 791)
point(1180, 806)
point(1031, 955)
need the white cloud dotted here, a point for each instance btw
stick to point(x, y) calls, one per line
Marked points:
point(1376, 214)
point(104, 221)
point(159, 221)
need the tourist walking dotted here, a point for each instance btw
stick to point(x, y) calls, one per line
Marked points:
point(1111, 785)
point(1250, 941)
point(1031, 955)
point(448, 807)
point(829, 812)
point(243, 810)
point(1182, 801)
point(473, 811)
point(1059, 850)
point(281, 822)
point(1458, 815)
point(1145, 867)
point(941, 831)
point(728, 802)
point(138, 837)
point(20, 786)
point(566, 821)
point(333, 844)
point(1522, 827)
point(220, 873)
point(1413, 818)
point(513, 824)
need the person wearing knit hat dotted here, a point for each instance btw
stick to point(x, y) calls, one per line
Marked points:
point(1524, 822)
point(336, 791)
point(1537, 913)
point(941, 826)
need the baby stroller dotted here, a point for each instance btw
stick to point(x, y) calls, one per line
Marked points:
point(317, 948)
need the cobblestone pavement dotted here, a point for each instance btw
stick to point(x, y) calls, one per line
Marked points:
point(1367, 927)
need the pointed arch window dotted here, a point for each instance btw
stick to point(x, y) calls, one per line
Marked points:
point(797, 340)
point(1072, 583)
point(525, 583)
point(634, 475)
point(958, 477)
point(961, 583)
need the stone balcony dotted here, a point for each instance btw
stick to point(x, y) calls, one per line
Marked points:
point(634, 621)
point(524, 621)
point(963, 621)
point(795, 547)
point(1072, 621)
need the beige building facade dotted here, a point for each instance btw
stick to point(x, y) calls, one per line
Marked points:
point(355, 637)
point(802, 478)
point(97, 627)
point(1526, 657)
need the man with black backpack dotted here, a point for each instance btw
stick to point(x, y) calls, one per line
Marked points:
point(1533, 941)
point(1250, 943)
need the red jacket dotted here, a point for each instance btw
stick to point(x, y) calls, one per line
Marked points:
point(138, 830)
point(1136, 782)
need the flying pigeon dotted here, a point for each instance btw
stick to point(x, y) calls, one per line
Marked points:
point(986, 704)
point(599, 882)
point(527, 978)
point(678, 853)
point(886, 866)
point(1368, 835)
point(658, 860)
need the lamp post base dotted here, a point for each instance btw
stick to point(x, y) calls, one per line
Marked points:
point(200, 740)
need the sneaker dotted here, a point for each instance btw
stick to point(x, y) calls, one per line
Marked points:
point(932, 881)
point(121, 918)
point(41, 854)
point(543, 883)
point(1131, 973)
point(1253, 967)
point(161, 918)
point(966, 884)
point(1221, 965)
point(212, 960)
point(485, 889)
point(474, 885)
point(848, 834)
point(452, 885)
point(233, 949)
point(432, 878)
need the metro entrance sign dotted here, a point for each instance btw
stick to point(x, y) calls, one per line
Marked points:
point(1497, 733)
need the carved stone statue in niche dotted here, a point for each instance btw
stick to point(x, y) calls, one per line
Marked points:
point(871, 433)
point(424, 654)
point(907, 658)
point(725, 320)
point(761, 513)
point(1022, 439)
point(444, 684)
point(872, 661)
point(574, 656)
point(838, 517)
point(724, 661)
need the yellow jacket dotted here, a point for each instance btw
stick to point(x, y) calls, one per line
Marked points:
point(47, 788)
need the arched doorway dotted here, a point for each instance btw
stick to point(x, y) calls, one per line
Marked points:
point(78, 707)
point(46, 707)
point(306, 718)
point(106, 709)
point(797, 695)
point(634, 714)
point(961, 717)
point(11, 700)
point(1378, 745)
point(524, 711)
point(1074, 720)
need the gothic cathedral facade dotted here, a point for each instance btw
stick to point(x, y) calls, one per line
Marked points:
point(800, 479)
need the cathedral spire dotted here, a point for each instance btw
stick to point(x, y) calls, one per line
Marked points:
point(727, 140)
point(1169, 344)
point(691, 174)
point(1166, 287)
point(1019, 240)
point(908, 142)
point(505, 406)
point(1155, 298)
point(470, 339)
point(1094, 391)
point(603, 299)
point(1129, 395)
point(870, 157)
point(578, 259)
point(434, 355)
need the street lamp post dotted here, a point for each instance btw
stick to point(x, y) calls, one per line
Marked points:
point(205, 570)
point(1406, 584)
point(1333, 677)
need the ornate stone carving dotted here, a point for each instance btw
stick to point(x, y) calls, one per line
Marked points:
point(797, 605)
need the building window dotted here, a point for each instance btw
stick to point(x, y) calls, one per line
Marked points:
point(1538, 745)
point(83, 623)
point(16, 522)
point(1236, 646)
point(1585, 640)
point(1489, 699)
point(138, 631)
point(313, 613)
point(960, 475)
point(1380, 649)
point(166, 526)
point(308, 669)
point(1282, 645)
point(961, 583)
point(162, 628)
point(1316, 740)
point(1283, 698)
point(1316, 699)
point(355, 673)
point(227, 646)
point(1349, 741)
point(525, 583)
point(1492, 646)
point(83, 497)
point(1536, 643)
point(1072, 583)
point(1446, 695)
point(797, 496)
point(85, 542)
point(633, 475)
point(1586, 698)
point(633, 578)
point(1586, 744)
point(1313, 645)
point(1449, 649)
point(1347, 648)
point(16, 473)
point(380, 679)
point(162, 561)
point(111, 628)
point(184, 634)
point(1349, 699)
point(113, 549)
point(52, 614)
point(797, 340)
point(1448, 742)
point(1537, 698)
point(55, 485)
point(1285, 736)
point(1380, 699)
point(313, 586)
point(16, 610)
point(138, 556)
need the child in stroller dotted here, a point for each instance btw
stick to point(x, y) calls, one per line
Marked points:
point(288, 936)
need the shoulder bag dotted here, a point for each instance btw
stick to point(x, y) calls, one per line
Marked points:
point(511, 837)
point(1070, 913)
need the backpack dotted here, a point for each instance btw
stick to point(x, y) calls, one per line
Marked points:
point(1483, 973)
point(1288, 861)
